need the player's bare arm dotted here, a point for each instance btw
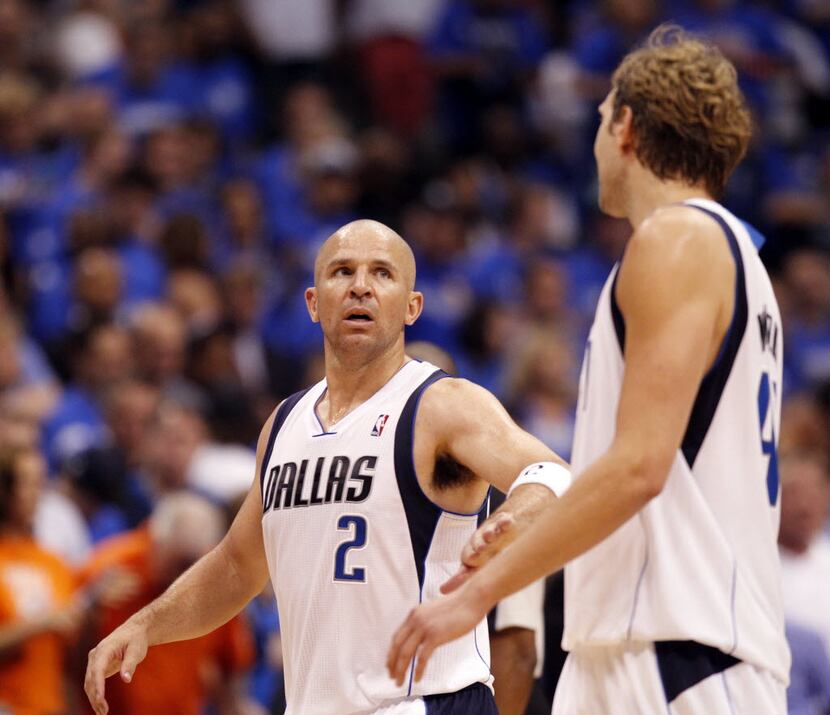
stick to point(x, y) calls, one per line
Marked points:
point(675, 290)
point(205, 597)
point(464, 423)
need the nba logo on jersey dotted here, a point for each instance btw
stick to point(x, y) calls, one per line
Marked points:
point(377, 430)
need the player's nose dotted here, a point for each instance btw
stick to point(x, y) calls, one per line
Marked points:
point(361, 285)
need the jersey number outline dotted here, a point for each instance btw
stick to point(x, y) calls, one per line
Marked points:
point(766, 393)
point(361, 535)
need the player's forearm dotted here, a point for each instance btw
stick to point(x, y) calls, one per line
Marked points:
point(526, 503)
point(605, 496)
point(513, 660)
point(203, 598)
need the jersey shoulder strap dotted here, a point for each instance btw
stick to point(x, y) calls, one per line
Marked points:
point(282, 414)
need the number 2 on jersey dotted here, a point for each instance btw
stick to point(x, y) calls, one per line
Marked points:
point(766, 395)
point(341, 572)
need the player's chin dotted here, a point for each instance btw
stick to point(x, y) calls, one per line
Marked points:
point(608, 207)
point(353, 330)
point(362, 338)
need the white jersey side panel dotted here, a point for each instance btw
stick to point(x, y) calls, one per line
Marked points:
point(353, 545)
point(700, 561)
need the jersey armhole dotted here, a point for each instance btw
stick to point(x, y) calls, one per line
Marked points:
point(282, 414)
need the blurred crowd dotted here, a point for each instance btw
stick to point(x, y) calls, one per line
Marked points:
point(168, 169)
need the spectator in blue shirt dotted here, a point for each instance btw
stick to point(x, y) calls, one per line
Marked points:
point(223, 89)
point(807, 339)
point(149, 88)
point(809, 691)
point(100, 358)
point(483, 51)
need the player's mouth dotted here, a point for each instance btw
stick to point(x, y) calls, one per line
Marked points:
point(359, 315)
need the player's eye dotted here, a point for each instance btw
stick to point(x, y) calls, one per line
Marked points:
point(383, 273)
point(343, 271)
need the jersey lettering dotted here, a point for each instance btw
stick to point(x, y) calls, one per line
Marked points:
point(291, 485)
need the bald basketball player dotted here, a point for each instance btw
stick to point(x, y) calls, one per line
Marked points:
point(672, 584)
point(368, 485)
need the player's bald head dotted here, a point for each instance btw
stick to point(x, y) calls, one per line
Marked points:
point(363, 233)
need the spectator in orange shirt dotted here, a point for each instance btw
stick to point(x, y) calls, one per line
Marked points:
point(37, 609)
point(137, 566)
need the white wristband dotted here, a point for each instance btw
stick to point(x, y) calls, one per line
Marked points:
point(549, 474)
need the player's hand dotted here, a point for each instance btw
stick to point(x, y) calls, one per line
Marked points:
point(122, 651)
point(488, 540)
point(431, 625)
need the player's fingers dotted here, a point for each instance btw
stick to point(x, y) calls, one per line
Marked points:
point(504, 522)
point(94, 680)
point(403, 648)
point(487, 541)
point(133, 655)
point(405, 654)
point(424, 653)
point(397, 641)
point(457, 579)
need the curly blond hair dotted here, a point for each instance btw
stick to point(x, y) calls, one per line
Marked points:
point(690, 119)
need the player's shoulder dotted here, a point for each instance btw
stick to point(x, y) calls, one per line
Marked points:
point(678, 239)
point(454, 400)
point(678, 228)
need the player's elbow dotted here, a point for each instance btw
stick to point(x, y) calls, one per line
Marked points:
point(646, 475)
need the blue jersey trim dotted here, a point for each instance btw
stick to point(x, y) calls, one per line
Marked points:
point(711, 387)
point(732, 606)
point(279, 419)
point(616, 314)
point(684, 664)
point(636, 599)
point(421, 514)
point(758, 239)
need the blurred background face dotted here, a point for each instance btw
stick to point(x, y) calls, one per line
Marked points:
point(29, 477)
point(159, 344)
point(9, 354)
point(243, 208)
point(547, 290)
point(98, 281)
point(805, 499)
point(169, 157)
point(171, 440)
point(808, 279)
point(184, 528)
point(107, 359)
point(130, 413)
point(148, 48)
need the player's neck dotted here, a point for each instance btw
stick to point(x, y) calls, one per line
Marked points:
point(349, 385)
point(648, 193)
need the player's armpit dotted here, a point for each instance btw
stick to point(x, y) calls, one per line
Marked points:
point(468, 423)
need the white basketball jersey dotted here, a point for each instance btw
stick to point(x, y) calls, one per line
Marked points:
point(353, 544)
point(700, 561)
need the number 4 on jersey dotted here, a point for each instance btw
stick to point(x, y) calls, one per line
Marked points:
point(766, 390)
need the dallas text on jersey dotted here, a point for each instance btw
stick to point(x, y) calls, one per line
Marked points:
point(287, 485)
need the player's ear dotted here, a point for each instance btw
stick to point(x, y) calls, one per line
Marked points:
point(414, 307)
point(311, 304)
point(623, 129)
